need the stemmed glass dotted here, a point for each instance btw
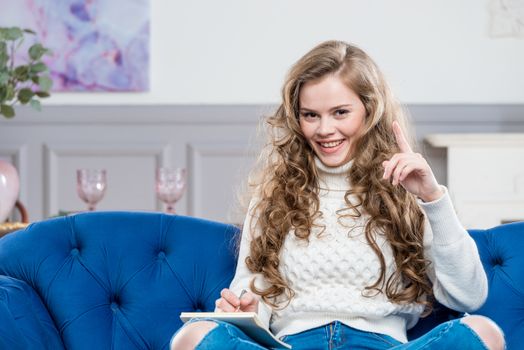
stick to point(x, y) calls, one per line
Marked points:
point(91, 186)
point(170, 186)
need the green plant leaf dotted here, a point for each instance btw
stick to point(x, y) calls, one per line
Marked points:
point(45, 83)
point(25, 95)
point(21, 73)
point(13, 33)
point(38, 67)
point(21, 69)
point(36, 105)
point(36, 51)
point(15, 78)
point(4, 77)
point(42, 94)
point(7, 111)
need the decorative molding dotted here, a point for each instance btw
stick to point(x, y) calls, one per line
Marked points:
point(53, 152)
point(195, 154)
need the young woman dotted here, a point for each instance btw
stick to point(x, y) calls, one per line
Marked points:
point(348, 237)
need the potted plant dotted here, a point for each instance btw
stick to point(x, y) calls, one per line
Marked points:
point(21, 82)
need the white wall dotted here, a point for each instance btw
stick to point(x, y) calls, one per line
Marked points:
point(237, 51)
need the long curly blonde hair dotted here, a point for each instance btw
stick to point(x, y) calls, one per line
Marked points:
point(287, 182)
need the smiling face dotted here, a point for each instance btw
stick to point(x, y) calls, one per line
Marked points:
point(331, 117)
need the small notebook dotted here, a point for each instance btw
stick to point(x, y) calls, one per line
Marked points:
point(248, 322)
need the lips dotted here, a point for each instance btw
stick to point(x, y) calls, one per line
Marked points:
point(330, 146)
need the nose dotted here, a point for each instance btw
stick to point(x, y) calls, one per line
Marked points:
point(326, 127)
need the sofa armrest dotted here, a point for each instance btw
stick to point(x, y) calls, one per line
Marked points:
point(26, 324)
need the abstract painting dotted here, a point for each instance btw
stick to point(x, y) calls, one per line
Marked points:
point(97, 45)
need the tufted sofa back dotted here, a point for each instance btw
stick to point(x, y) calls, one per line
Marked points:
point(501, 250)
point(116, 280)
point(502, 254)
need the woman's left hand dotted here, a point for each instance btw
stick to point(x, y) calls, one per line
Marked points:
point(411, 170)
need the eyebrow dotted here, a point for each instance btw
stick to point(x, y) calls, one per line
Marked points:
point(331, 109)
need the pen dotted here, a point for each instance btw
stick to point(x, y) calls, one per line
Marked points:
point(240, 297)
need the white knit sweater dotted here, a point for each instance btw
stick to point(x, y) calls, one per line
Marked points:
point(329, 273)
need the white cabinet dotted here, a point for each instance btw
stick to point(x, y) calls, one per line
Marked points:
point(485, 176)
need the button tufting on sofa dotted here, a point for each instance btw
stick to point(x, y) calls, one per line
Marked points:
point(161, 255)
point(497, 261)
point(75, 251)
point(114, 306)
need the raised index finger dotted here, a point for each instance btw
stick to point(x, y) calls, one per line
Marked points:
point(401, 139)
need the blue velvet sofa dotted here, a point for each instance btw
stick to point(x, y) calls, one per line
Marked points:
point(119, 280)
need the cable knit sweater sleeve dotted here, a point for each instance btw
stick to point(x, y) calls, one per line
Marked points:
point(243, 276)
point(459, 279)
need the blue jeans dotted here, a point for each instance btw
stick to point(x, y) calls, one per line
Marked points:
point(335, 335)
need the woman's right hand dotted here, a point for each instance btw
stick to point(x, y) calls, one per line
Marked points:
point(229, 302)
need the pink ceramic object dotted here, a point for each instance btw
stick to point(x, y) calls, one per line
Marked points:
point(9, 187)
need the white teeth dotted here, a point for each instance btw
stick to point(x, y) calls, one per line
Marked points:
point(331, 144)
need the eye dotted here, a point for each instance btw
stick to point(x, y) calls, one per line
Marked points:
point(308, 115)
point(341, 112)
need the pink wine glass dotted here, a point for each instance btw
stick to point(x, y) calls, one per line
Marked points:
point(170, 186)
point(91, 186)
